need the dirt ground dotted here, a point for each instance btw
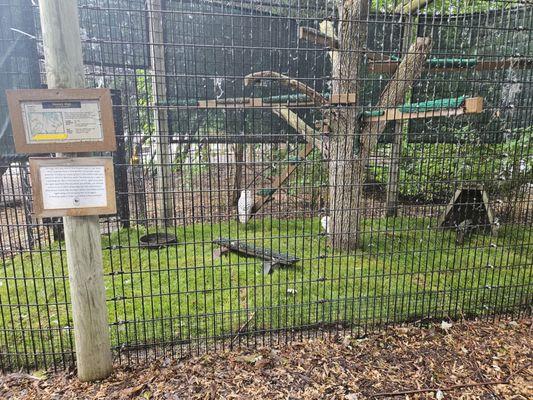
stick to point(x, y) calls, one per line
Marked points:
point(467, 360)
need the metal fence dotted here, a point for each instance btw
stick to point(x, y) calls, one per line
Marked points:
point(442, 200)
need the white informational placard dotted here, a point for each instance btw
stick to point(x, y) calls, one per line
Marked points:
point(65, 121)
point(73, 187)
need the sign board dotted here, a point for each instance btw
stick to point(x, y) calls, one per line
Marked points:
point(61, 120)
point(72, 186)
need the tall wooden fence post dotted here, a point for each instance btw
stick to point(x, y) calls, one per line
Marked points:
point(163, 159)
point(64, 69)
point(397, 141)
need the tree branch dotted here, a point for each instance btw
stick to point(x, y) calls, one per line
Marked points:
point(286, 81)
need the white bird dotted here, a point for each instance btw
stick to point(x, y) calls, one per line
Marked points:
point(324, 221)
point(245, 205)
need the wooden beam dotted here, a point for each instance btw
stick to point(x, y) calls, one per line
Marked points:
point(286, 81)
point(410, 6)
point(316, 37)
point(299, 125)
point(259, 201)
point(475, 105)
point(388, 67)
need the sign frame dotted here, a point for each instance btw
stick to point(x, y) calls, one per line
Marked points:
point(36, 163)
point(15, 99)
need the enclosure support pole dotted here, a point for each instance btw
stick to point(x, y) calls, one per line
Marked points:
point(163, 159)
point(396, 148)
point(238, 154)
point(64, 69)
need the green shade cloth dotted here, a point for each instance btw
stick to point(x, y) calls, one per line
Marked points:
point(452, 62)
point(439, 104)
point(266, 192)
point(374, 113)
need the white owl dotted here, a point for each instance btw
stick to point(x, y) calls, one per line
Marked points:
point(324, 221)
point(245, 205)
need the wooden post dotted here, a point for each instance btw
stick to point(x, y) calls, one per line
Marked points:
point(391, 204)
point(238, 154)
point(64, 69)
point(163, 156)
point(120, 161)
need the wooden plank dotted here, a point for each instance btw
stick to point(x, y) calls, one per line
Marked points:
point(388, 67)
point(316, 37)
point(299, 125)
point(475, 105)
point(241, 247)
point(260, 201)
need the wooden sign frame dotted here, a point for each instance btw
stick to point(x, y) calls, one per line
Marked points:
point(36, 163)
point(59, 143)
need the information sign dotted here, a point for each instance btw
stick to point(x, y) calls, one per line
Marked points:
point(61, 120)
point(73, 186)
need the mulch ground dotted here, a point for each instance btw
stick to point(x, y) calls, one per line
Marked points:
point(469, 360)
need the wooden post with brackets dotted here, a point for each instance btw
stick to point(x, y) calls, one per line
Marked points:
point(64, 69)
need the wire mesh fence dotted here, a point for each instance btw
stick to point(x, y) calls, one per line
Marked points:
point(284, 169)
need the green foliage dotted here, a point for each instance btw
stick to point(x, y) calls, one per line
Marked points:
point(448, 6)
point(144, 101)
point(431, 172)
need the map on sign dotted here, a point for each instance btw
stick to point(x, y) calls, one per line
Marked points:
point(52, 121)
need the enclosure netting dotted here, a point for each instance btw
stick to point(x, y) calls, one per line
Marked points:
point(442, 201)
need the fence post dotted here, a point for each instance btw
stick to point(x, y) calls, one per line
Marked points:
point(164, 187)
point(391, 203)
point(64, 69)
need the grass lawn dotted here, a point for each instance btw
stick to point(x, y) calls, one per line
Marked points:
point(406, 269)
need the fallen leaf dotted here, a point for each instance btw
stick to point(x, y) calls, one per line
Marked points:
point(133, 391)
point(439, 395)
point(446, 326)
point(250, 358)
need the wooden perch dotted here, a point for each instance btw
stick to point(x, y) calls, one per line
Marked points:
point(393, 94)
point(311, 137)
point(272, 259)
point(472, 105)
point(286, 81)
point(260, 201)
point(410, 6)
point(388, 67)
point(313, 35)
point(299, 125)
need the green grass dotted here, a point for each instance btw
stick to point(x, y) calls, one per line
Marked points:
point(406, 269)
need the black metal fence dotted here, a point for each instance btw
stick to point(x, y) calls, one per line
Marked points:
point(445, 216)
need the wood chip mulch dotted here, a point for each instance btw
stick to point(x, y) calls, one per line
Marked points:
point(467, 360)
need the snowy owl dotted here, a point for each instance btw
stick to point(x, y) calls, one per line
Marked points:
point(245, 205)
point(324, 221)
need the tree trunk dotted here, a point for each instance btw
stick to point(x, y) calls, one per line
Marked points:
point(344, 171)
